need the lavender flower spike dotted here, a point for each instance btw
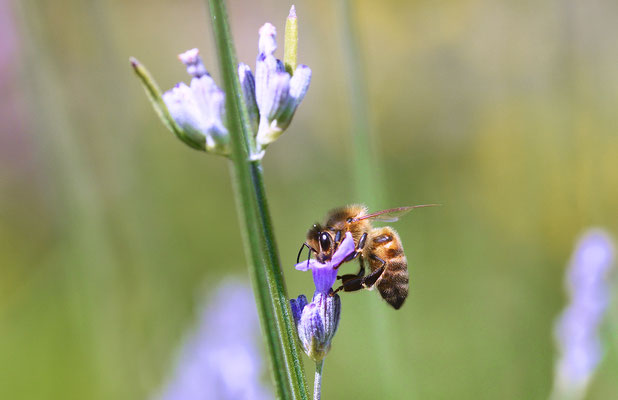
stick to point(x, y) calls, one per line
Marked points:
point(199, 109)
point(316, 322)
point(325, 275)
point(221, 360)
point(576, 330)
point(277, 93)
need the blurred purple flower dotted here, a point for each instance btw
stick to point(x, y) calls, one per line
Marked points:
point(576, 330)
point(325, 275)
point(221, 360)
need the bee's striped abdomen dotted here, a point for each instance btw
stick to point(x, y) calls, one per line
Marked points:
point(393, 283)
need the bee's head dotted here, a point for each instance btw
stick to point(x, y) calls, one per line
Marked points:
point(321, 241)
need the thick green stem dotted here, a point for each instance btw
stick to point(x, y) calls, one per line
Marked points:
point(265, 269)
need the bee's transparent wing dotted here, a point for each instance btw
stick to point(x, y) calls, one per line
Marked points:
point(392, 214)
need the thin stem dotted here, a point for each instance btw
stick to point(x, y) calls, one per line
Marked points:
point(272, 300)
point(317, 382)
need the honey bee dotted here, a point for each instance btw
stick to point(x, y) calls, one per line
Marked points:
point(380, 247)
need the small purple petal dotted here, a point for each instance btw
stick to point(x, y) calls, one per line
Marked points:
point(304, 266)
point(346, 248)
point(324, 278)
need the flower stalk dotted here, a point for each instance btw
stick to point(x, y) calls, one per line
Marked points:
point(317, 382)
point(285, 360)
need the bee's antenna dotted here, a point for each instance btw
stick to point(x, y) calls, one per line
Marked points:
point(301, 250)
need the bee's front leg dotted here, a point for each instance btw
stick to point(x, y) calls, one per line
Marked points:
point(359, 248)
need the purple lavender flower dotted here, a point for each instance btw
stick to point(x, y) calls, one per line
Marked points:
point(277, 93)
point(316, 322)
point(199, 109)
point(221, 360)
point(576, 330)
point(325, 275)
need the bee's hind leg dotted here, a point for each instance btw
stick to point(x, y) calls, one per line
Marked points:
point(352, 283)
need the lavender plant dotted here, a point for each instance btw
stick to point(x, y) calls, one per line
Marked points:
point(239, 123)
point(577, 329)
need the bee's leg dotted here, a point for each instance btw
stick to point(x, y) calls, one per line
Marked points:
point(359, 248)
point(352, 283)
point(337, 238)
point(378, 259)
point(370, 280)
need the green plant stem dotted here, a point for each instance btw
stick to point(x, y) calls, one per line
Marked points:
point(272, 300)
point(317, 381)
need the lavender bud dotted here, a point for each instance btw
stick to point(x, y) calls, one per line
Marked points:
point(247, 83)
point(195, 66)
point(267, 42)
point(277, 93)
point(318, 323)
point(185, 112)
point(199, 109)
point(576, 330)
point(297, 306)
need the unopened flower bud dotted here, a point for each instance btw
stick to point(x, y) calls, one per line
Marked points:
point(199, 109)
point(247, 84)
point(278, 93)
point(317, 322)
point(195, 66)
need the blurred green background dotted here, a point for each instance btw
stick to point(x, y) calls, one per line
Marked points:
point(110, 228)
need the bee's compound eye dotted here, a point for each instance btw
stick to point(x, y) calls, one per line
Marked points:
point(325, 241)
point(349, 220)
